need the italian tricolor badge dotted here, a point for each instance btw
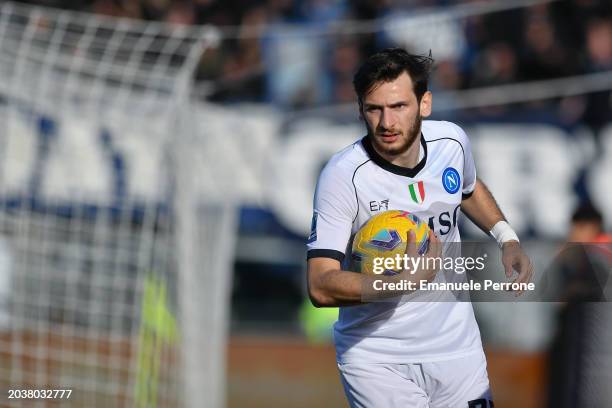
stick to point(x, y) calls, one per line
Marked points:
point(417, 192)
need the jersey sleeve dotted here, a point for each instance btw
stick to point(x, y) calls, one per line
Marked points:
point(469, 167)
point(334, 209)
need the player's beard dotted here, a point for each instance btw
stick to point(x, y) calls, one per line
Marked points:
point(406, 141)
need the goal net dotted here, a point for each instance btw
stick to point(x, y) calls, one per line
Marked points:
point(114, 270)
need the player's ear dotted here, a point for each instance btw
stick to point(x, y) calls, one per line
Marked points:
point(425, 104)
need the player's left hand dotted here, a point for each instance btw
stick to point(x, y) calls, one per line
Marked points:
point(514, 258)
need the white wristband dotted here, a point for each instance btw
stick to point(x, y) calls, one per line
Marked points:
point(503, 232)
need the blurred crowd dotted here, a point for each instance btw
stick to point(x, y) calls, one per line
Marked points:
point(303, 53)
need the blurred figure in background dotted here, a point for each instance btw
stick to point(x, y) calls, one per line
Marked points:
point(577, 269)
point(542, 54)
point(580, 370)
point(586, 225)
point(342, 64)
point(295, 63)
point(599, 59)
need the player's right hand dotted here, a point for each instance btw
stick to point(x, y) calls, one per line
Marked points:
point(427, 269)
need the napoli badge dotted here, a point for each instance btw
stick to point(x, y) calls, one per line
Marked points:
point(451, 180)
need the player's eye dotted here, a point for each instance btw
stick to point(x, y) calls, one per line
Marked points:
point(372, 108)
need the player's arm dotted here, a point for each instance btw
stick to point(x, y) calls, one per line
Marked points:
point(335, 208)
point(482, 209)
point(330, 286)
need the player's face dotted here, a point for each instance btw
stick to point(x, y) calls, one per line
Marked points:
point(393, 115)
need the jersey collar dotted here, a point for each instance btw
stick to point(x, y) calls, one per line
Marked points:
point(393, 168)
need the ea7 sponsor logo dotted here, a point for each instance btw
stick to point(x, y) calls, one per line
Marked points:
point(379, 205)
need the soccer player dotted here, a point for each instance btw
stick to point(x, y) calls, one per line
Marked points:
point(408, 354)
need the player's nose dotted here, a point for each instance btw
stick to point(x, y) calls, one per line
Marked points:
point(387, 120)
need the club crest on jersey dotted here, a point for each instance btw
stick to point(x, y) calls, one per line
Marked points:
point(451, 180)
point(417, 192)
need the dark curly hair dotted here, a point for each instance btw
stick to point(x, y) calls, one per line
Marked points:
point(387, 65)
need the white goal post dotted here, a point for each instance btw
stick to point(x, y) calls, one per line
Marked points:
point(114, 270)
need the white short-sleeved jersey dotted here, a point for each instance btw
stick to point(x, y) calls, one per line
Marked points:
point(356, 184)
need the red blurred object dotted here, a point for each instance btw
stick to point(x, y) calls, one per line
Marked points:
point(603, 239)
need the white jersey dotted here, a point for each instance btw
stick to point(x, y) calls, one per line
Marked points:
point(356, 184)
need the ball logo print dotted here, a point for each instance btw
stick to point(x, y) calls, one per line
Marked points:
point(451, 180)
point(384, 236)
point(386, 239)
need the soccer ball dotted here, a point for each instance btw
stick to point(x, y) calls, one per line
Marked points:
point(384, 235)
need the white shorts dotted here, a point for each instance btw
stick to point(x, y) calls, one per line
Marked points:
point(456, 383)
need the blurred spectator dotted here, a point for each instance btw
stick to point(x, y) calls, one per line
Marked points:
point(343, 64)
point(242, 74)
point(542, 55)
point(497, 65)
point(154, 9)
point(295, 57)
point(447, 75)
point(579, 364)
point(277, 52)
point(599, 44)
point(599, 58)
point(321, 12)
point(181, 13)
point(294, 67)
point(587, 224)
